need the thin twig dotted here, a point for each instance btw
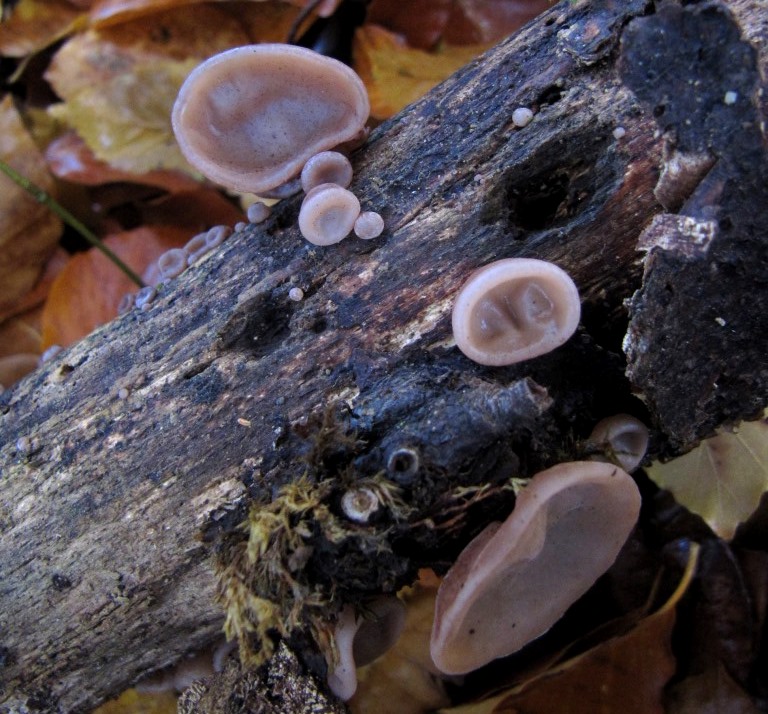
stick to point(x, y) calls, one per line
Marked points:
point(47, 200)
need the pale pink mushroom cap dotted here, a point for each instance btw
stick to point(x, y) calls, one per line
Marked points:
point(326, 167)
point(517, 579)
point(513, 310)
point(328, 214)
point(250, 118)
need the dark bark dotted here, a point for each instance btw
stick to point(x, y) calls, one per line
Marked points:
point(234, 390)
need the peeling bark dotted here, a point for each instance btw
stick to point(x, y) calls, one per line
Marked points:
point(168, 422)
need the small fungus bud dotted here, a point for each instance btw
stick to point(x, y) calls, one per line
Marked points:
point(369, 225)
point(522, 116)
point(619, 132)
point(258, 212)
point(172, 263)
point(126, 303)
point(50, 353)
point(326, 167)
point(359, 504)
point(196, 248)
point(217, 235)
point(403, 465)
point(144, 297)
point(623, 438)
point(517, 578)
point(513, 310)
point(296, 294)
point(328, 214)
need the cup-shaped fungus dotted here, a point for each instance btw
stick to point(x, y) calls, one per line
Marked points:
point(513, 310)
point(328, 213)
point(326, 167)
point(622, 438)
point(250, 118)
point(516, 579)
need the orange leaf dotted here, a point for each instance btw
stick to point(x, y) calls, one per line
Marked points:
point(88, 291)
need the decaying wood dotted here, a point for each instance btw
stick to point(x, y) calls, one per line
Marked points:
point(165, 423)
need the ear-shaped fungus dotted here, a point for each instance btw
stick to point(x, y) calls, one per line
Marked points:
point(623, 438)
point(513, 310)
point(516, 579)
point(328, 214)
point(250, 118)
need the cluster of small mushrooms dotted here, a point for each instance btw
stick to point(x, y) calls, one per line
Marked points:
point(266, 119)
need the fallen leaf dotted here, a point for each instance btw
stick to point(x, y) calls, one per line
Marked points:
point(481, 21)
point(14, 367)
point(21, 334)
point(420, 22)
point(28, 230)
point(113, 12)
point(36, 24)
point(119, 84)
point(404, 679)
point(133, 702)
point(396, 75)
point(88, 291)
point(723, 478)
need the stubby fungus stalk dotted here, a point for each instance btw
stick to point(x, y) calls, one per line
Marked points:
point(326, 167)
point(328, 214)
point(251, 117)
point(517, 578)
point(513, 310)
point(622, 438)
point(360, 639)
point(258, 212)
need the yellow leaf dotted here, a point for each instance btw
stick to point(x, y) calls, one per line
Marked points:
point(133, 702)
point(28, 230)
point(119, 84)
point(396, 75)
point(723, 478)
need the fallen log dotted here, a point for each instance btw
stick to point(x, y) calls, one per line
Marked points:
point(643, 175)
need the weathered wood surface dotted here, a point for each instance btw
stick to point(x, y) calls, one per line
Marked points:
point(102, 577)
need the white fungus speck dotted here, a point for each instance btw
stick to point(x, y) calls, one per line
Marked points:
point(619, 132)
point(730, 97)
point(522, 116)
point(122, 393)
point(296, 294)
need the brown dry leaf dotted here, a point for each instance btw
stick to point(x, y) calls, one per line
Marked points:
point(119, 84)
point(478, 21)
point(264, 21)
point(88, 291)
point(14, 367)
point(197, 210)
point(396, 75)
point(28, 230)
point(133, 702)
point(36, 24)
point(113, 12)
point(403, 680)
point(723, 478)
